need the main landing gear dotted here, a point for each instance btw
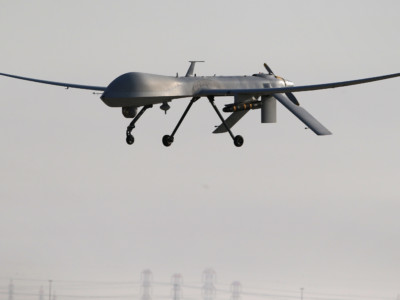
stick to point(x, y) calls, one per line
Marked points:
point(129, 137)
point(237, 140)
point(169, 139)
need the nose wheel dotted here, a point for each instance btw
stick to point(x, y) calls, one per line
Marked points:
point(130, 139)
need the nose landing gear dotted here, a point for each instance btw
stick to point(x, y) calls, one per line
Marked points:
point(129, 137)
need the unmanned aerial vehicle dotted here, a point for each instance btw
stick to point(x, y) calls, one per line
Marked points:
point(135, 90)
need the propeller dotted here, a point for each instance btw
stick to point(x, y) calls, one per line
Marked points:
point(289, 95)
point(268, 69)
point(292, 98)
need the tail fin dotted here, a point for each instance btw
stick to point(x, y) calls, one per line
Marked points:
point(190, 71)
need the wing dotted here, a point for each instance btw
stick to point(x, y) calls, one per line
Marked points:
point(67, 85)
point(292, 89)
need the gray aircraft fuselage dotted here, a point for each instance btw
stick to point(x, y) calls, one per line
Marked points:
point(138, 89)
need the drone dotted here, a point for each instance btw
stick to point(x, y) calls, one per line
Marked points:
point(262, 91)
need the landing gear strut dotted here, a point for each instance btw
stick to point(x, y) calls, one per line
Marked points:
point(237, 140)
point(129, 137)
point(169, 139)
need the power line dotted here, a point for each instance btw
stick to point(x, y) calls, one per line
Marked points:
point(79, 296)
point(65, 289)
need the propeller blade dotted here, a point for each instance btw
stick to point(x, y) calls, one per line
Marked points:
point(292, 98)
point(289, 95)
point(268, 69)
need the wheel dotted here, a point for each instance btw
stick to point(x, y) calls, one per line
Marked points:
point(167, 140)
point(130, 139)
point(238, 141)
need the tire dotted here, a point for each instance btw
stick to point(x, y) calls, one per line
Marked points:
point(238, 141)
point(130, 139)
point(167, 140)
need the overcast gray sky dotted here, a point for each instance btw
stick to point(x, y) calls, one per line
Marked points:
point(288, 209)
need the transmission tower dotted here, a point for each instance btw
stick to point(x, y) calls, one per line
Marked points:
point(176, 281)
point(11, 290)
point(209, 278)
point(236, 290)
point(147, 278)
point(50, 283)
point(41, 293)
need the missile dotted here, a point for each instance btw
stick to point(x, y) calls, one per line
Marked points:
point(242, 106)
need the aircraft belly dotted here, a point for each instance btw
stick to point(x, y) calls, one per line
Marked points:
point(138, 101)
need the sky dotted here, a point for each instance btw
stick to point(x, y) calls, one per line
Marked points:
point(287, 210)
